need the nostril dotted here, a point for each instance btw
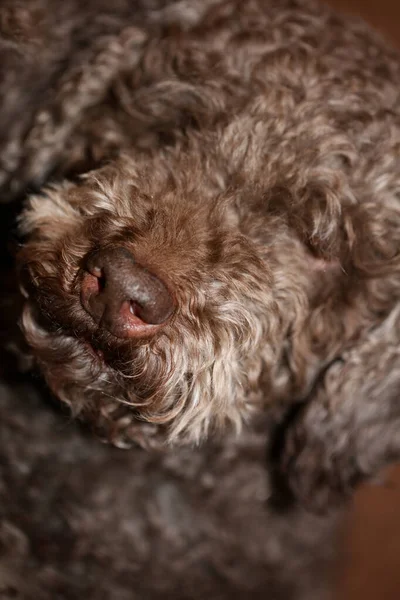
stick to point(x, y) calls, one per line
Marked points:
point(91, 288)
point(90, 284)
point(122, 296)
point(99, 280)
point(134, 309)
point(97, 272)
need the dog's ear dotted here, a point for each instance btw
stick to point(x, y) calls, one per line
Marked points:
point(348, 428)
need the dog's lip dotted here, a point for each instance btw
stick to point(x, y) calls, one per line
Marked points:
point(128, 326)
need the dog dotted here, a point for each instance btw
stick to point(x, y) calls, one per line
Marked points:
point(83, 519)
point(219, 235)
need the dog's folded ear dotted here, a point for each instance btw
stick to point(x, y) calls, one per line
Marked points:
point(348, 428)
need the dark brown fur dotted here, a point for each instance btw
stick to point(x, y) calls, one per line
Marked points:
point(251, 162)
point(247, 154)
point(83, 520)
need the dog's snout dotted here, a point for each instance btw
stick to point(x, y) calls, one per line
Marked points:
point(122, 296)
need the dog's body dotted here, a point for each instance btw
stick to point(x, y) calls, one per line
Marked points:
point(235, 250)
point(84, 520)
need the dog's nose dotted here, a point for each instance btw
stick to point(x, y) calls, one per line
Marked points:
point(122, 296)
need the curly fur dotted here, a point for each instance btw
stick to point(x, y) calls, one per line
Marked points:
point(247, 153)
point(82, 520)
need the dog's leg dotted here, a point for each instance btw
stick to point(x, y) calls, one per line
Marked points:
point(350, 424)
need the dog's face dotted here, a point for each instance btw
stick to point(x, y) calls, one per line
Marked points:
point(145, 300)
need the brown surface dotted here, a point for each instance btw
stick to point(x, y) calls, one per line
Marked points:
point(383, 14)
point(371, 553)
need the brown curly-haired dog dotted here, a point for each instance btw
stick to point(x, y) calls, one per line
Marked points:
point(237, 246)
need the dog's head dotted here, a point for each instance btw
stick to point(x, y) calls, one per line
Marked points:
point(145, 300)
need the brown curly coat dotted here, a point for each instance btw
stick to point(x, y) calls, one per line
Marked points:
point(246, 153)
